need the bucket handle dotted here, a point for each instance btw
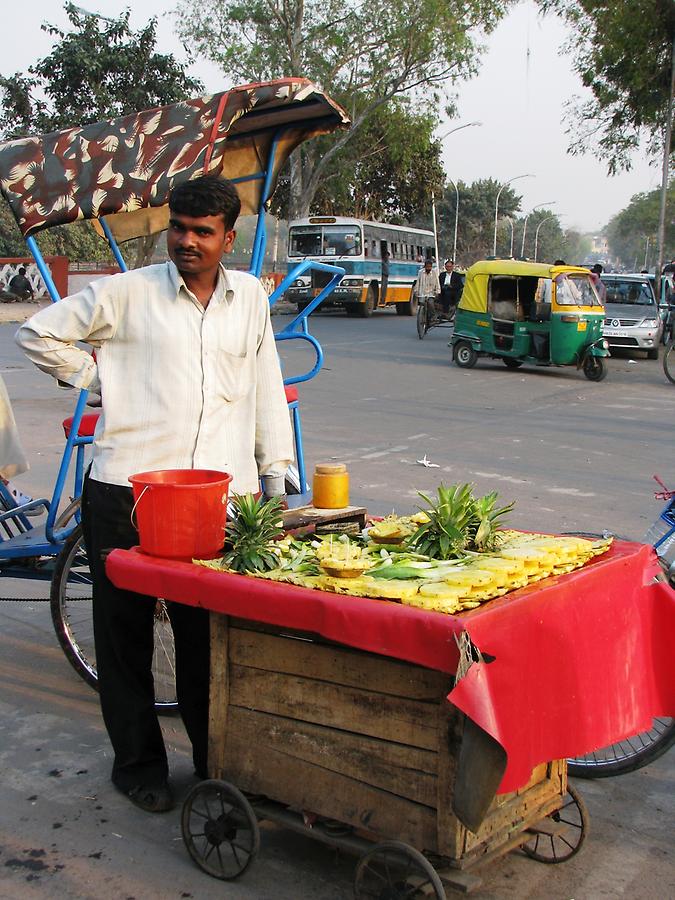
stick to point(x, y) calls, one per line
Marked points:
point(133, 508)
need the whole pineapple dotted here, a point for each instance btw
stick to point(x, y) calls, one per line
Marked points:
point(255, 525)
point(445, 535)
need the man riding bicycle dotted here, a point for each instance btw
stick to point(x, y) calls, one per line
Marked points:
point(427, 287)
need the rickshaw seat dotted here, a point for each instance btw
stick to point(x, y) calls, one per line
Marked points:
point(87, 425)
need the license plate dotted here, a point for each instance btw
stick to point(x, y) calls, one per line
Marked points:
point(611, 332)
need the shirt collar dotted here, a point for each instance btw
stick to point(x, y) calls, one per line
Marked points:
point(223, 291)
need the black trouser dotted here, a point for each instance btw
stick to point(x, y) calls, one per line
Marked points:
point(123, 635)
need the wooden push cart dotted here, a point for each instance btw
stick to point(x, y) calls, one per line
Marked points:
point(358, 751)
point(349, 719)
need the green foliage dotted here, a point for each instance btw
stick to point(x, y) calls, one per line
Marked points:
point(629, 230)
point(622, 52)
point(100, 69)
point(364, 54)
point(387, 172)
point(476, 221)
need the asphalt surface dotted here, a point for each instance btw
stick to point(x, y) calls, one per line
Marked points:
point(573, 454)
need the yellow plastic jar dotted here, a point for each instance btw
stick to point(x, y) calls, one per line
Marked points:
point(330, 486)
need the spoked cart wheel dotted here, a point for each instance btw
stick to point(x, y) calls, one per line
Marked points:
point(569, 827)
point(72, 617)
point(220, 829)
point(393, 870)
point(627, 755)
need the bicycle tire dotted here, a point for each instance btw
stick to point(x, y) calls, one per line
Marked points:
point(627, 755)
point(71, 610)
point(669, 362)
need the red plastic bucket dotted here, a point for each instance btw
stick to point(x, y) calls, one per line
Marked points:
point(181, 513)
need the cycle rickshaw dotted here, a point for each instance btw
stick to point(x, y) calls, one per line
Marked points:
point(118, 174)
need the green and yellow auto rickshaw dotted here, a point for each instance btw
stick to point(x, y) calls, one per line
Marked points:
point(523, 312)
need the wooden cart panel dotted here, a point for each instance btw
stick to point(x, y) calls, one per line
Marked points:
point(366, 740)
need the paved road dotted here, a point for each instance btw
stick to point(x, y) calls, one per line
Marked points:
point(574, 455)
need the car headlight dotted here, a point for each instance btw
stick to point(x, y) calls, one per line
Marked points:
point(299, 282)
point(649, 323)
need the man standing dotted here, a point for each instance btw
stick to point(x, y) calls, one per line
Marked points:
point(189, 377)
point(427, 287)
point(451, 286)
point(600, 285)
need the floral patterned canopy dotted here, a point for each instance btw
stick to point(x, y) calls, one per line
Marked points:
point(124, 169)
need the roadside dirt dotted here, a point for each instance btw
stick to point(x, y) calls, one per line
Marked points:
point(19, 312)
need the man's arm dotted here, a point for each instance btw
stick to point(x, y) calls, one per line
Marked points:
point(49, 338)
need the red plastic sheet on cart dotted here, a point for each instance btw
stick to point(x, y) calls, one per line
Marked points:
point(576, 662)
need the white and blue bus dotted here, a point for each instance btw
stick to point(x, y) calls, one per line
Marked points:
point(381, 262)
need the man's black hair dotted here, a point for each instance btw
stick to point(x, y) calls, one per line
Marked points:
point(208, 195)
point(597, 268)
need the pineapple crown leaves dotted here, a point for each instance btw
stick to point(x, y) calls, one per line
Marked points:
point(255, 525)
point(458, 521)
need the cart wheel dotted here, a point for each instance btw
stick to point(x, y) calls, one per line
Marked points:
point(393, 870)
point(556, 848)
point(220, 829)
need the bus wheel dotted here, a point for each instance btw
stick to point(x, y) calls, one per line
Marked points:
point(365, 310)
point(409, 308)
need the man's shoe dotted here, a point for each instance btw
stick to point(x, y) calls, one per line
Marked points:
point(156, 799)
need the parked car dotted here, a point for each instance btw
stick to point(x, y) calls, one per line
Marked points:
point(633, 318)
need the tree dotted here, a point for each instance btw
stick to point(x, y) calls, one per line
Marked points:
point(390, 168)
point(364, 54)
point(99, 69)
point(476, 220)
point(632, 231)
point(623, 53)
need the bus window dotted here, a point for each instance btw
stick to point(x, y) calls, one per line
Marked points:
point(376, 248)
point(304, 240)
point(341, 240)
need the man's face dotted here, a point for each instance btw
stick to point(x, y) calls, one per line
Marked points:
point(427, 265)
point(449, 266)
point(197, 243)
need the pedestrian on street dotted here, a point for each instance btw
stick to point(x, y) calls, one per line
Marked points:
point(189, 377)
point(20, 286)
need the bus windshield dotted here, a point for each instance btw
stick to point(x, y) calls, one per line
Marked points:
point(324, 240)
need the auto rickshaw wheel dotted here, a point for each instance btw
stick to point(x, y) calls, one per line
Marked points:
point(465, 356)
point(595, 368)
point(512, 363)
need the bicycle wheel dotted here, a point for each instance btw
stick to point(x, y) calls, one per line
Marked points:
point(421, 320)
point(71, 609)
point(669, 362)
point(628, 755)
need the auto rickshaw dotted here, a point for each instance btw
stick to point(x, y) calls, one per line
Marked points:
point(523, 312)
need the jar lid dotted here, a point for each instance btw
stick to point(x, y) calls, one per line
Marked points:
point(330, 468)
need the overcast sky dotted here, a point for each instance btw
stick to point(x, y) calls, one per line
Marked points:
point(519, 97)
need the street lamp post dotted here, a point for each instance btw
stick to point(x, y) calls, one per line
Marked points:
point(510, 221)
point(536, 234)
point(433, 198)
point(538, 206)
point(494, 245)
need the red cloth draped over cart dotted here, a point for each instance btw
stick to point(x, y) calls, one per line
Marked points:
point(577, 661)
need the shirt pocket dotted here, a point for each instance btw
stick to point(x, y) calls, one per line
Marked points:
point(234, 374)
